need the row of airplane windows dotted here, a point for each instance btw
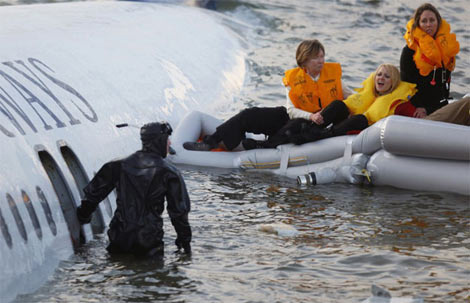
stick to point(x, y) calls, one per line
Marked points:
point(32, 214)
point(66, 200)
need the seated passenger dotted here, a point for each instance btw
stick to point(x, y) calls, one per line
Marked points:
point(381, 93)
point(428, 59)
point(311, 86)
point(457, 112)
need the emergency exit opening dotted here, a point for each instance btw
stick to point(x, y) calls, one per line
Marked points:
point(81, 180)
point(65, 197)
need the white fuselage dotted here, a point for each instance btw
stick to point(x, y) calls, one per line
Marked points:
point(69, 73)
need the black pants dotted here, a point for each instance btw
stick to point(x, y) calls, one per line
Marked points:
point(300, 131)
point(257, 120)
point(137, 250)
point(337, 113)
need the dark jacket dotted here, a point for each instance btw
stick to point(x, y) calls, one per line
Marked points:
point(428, 96)
point(143, 180)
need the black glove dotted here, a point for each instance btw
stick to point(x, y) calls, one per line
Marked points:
point(186, 246)
point(82, 216)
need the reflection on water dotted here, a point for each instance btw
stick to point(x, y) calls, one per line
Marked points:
point(359, 34)
point(413, 244)
point(350, 237)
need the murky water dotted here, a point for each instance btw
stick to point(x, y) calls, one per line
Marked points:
point(411, 243)
point(414, 244)
point(359, 34)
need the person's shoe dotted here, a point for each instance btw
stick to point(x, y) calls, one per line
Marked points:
point(198, 146)
point(208, 143)
point(211, 141)
point(252, 144)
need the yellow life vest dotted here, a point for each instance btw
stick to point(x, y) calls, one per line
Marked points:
point(310, 95)
point(432, 52)
point(375, 108)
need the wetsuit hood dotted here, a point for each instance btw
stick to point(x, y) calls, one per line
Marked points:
point(154, 137)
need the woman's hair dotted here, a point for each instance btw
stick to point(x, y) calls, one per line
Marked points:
point(394, 76)
point(306, 50)
point(419, 11)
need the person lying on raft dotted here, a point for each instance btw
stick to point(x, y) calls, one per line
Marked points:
point(381, 93)
point(310, 87)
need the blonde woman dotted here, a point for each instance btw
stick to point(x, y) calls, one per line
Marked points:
point(378, 98)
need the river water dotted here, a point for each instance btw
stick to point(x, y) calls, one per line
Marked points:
point(413, 244)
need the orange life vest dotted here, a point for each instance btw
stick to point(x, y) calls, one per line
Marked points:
point(310, 95)
point(432, 52)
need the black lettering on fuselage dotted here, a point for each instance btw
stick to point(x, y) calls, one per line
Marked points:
point(31, 99)
point(9, 106)
point(93, 117)
point(5, 98)
point(42, 86)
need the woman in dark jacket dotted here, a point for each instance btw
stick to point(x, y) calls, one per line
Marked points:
point(427, 60)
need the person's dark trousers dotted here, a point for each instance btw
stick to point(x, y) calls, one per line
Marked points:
point(356, 122)
point(300, 131)
point(291, 132)
point(137, 250)
point(257, 120)
point(312, 132)
point(335, 112)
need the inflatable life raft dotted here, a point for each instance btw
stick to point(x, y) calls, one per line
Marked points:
point(398, 151)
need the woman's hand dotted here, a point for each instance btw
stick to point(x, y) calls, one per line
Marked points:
point(316, 118)
point(420, 112)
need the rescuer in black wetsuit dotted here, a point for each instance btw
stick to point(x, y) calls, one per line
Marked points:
point(143, 180)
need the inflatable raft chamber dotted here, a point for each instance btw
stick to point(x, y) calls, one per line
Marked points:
point(397, 151)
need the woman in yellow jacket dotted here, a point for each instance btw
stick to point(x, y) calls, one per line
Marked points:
point(380, 95)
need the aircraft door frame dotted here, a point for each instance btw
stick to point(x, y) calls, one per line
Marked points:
point(81, 180)
point(64, 195)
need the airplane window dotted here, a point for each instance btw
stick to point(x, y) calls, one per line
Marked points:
point(32, 214)
point(17, 216)
point(47, 210)
point(5, 232)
